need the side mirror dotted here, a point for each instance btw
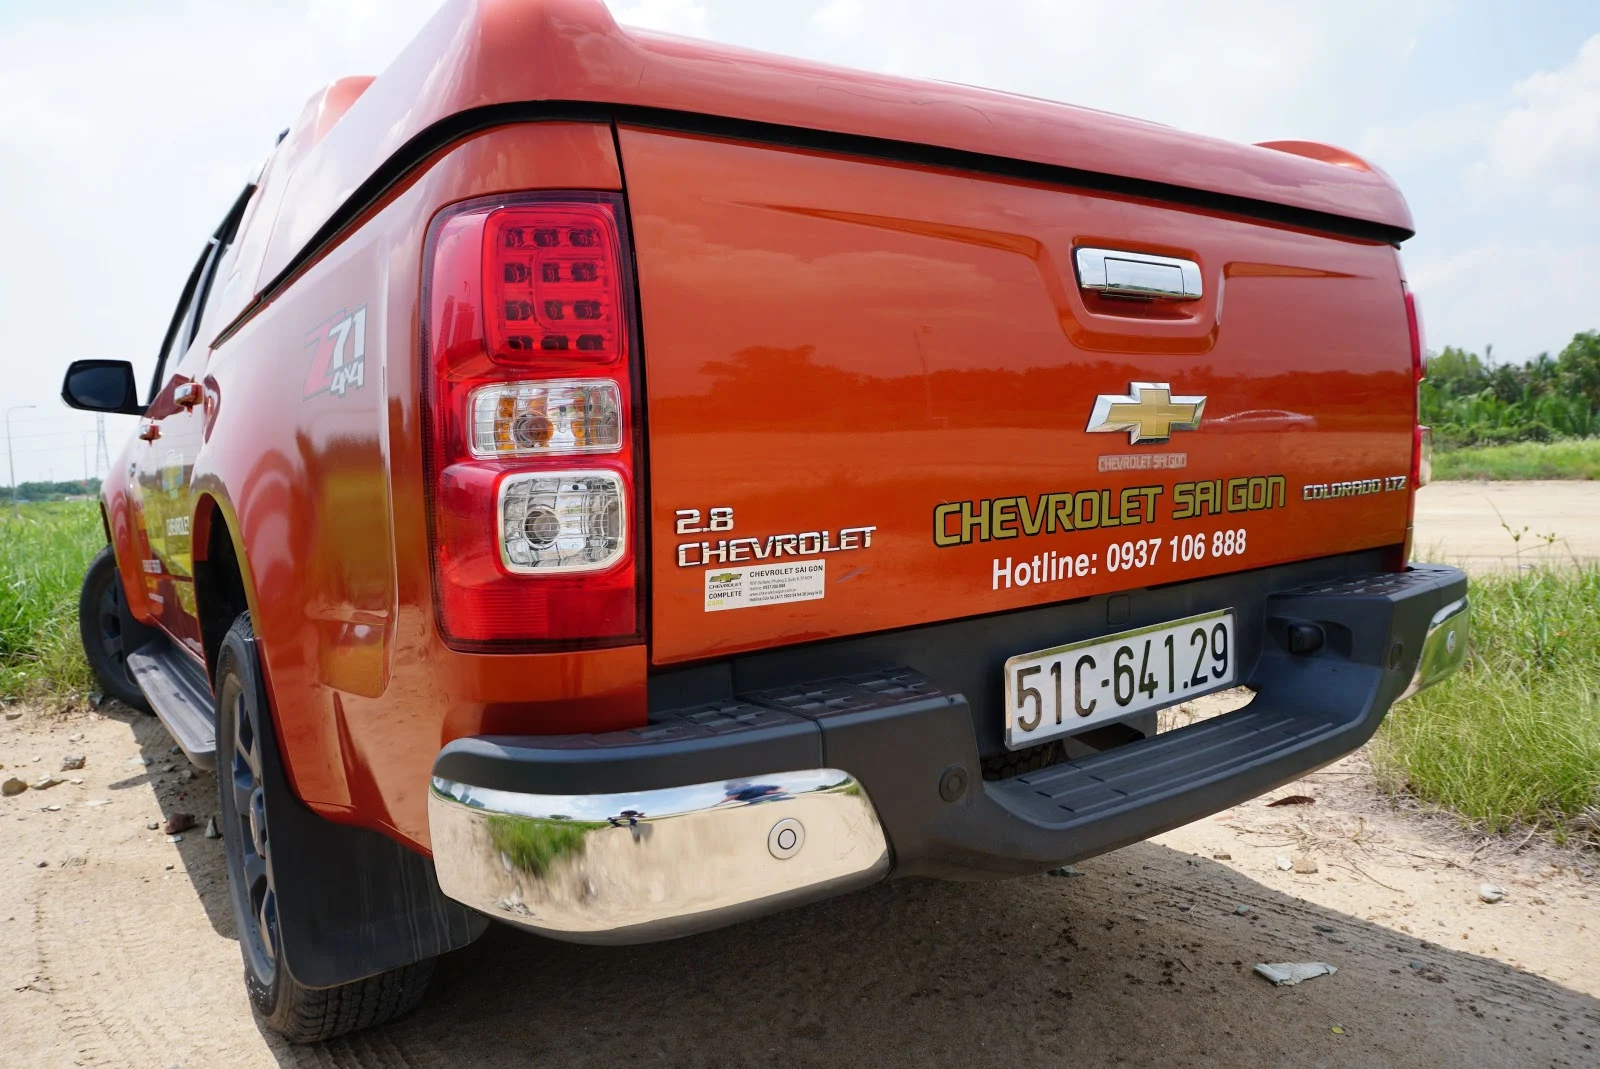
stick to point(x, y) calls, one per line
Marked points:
point(102, 386)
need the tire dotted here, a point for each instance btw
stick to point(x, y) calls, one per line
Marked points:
point(298, 1013)
point(102, 625)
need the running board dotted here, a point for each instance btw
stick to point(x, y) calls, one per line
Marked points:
point(181, 696)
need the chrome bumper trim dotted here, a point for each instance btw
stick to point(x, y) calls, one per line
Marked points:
point(647, 865)
point(1444, 647)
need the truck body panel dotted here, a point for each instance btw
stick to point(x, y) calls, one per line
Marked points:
point(835, 344)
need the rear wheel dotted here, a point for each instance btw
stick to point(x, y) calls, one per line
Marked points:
point(102, 620)
point(301, 1014)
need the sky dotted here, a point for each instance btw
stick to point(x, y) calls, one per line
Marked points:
point(127, 128)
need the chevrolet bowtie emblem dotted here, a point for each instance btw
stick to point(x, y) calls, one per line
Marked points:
point(1149, 412)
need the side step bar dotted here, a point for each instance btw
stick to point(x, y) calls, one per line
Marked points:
point(181, 696)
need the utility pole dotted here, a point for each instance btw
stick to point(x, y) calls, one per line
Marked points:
point(102, 458)
point(11, 455)
point(84, 438)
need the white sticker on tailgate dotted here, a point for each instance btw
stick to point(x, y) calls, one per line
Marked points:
point(765, 584)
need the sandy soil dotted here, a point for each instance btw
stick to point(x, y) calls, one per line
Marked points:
point(120, 950)
point(1461, 522)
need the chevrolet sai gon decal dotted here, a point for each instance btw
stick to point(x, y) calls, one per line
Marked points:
point(725, 551)
point(1149, 412)
point(959, 523)
point(339, 357)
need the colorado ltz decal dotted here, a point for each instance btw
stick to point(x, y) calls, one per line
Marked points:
point(339, 357)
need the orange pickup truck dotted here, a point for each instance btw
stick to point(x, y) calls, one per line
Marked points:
point(619, 485)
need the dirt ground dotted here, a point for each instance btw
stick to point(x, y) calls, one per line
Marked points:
point(1461, 522)
point(120, 951)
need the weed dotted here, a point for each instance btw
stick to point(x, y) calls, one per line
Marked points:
point(533, 846)
point(1514, 738)
point(44, 551)
point(1579, 459)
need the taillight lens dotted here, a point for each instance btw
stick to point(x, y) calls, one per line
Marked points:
point(555, 291)
point(530, 402)
point(1414, 323)
point(1422, 438)
point(528, 419)
point(566, 522)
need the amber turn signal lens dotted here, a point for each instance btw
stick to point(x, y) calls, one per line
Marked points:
point(558, 417)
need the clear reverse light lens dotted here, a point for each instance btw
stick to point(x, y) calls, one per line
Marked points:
point(552, 418)
point(561, 521)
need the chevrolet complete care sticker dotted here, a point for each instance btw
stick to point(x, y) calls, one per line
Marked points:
point(775, 577)
point(765, 584)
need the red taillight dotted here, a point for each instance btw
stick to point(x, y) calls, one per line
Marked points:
point(1420, 438)
point(529, 402)
point(1414, 323)
point(1419, 434)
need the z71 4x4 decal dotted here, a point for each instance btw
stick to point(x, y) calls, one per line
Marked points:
point(339, 357)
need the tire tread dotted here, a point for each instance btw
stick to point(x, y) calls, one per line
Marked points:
point(307, 1015)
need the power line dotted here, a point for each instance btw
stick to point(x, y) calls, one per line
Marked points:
point(102, 458)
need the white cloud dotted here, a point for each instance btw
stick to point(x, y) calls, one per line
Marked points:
point(838, 16)
point(123, 138)
point(1423, 137)
point(674, 16)
point(1548, 141)
point(1250, 69)
point(1520, 297)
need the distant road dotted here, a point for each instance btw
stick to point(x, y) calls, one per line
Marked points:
point(1460, 523)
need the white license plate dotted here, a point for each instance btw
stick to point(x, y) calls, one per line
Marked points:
point(1073, 687)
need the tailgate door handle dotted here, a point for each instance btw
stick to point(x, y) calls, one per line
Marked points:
point(1137, 274)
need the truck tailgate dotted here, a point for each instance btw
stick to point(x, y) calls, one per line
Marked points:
point(870, 387)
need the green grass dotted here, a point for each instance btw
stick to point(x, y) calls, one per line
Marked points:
point(44, 551)
point(1513, 740)
point(533, 846)
point(1576, 459)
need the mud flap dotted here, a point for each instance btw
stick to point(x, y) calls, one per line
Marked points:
point(352, 903)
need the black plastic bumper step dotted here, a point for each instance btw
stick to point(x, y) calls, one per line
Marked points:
point(180, 695)
point(1078, 792)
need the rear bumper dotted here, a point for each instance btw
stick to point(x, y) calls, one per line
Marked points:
point(635, 866)
point(675, 827)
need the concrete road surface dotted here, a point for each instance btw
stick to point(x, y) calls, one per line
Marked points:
point(1461, 523)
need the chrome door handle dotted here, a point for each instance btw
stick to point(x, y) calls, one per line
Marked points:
point(188, 395)
point(1138, 274)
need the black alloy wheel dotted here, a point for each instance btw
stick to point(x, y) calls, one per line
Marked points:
point(250, 782)
point(243, 803)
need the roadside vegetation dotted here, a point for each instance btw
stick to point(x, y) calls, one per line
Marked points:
point(1470, 400)
point(1512, 742)
point(1578, 459)
point(67, 490)
point(44, 552)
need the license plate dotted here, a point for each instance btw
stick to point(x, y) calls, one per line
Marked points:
point(1073, 687)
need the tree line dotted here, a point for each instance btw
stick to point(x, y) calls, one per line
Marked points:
point(52, 491)
point(1469, 400)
